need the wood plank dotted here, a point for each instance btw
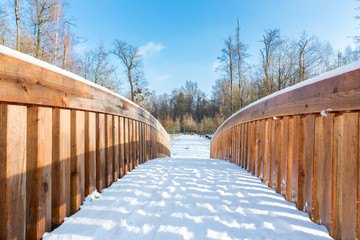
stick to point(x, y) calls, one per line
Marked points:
point(122, 146)
point(131, 145)
point(38, 171)
point(267, 130)
point(294, 155)
point(126, 146)
point(13, 171)
point(109, 152)
point(346, 130)
point(284, 156)
point(137, 143)
point(148, 144)
point(309, 162)
point(302, 164)
point(61, 166)
point(77, 177)
point(90, 152)
point(274, 154)
point(279, 159)
point(262, 142)
point(100, 151)
point(116, 147)
point(324, 136)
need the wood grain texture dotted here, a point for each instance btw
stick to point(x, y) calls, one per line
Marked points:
point(122, 147)
point(90, 152)
point(38, 171)
point(13, 171)
point(61, 166)
point(346, 130)
point(109, 150)
point(116, 147)
point(100, 151)
point(77, 177)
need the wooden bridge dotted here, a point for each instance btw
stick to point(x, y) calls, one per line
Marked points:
point(62, 136)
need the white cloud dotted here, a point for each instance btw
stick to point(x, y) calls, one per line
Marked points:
point(160, 78)
point(215, 65)
point(151, 48)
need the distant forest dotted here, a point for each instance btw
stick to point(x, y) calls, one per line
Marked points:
point(41, 29)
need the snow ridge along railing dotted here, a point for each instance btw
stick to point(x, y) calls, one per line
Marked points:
point(304, 142)
point(62, 136)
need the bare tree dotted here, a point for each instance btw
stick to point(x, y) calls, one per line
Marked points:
point(41, 14)
point(3, 25)
point(132, 61)
point(227, 65)
point(271, 42)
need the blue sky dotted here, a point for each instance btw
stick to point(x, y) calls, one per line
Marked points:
point(181, 40)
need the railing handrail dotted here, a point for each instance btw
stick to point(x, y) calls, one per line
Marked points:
point(322, 77)
point(44, 65)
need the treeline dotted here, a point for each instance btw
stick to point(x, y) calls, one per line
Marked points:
point(283, 62)
point(40, 28)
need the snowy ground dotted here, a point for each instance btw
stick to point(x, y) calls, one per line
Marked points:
point(188, 198)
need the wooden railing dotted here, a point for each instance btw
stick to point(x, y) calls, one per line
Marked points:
point(60, 137)
point(304, 142)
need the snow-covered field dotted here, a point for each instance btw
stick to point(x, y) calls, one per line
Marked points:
point(188, 196)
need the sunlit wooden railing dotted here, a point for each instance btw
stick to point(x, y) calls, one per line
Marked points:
point(60, 137)
point(304, 142)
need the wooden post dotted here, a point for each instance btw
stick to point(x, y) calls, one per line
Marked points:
point(77, 177)
point(61, 166)
point(38, 171)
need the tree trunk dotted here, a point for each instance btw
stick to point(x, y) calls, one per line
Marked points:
point(131, 85)
point(17, 18)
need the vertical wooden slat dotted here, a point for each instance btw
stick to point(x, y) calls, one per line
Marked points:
point(306, 163)
point(148, 145)
point(61, 166)
point(274, 156)
point(137, 143)
point(38, 171)
point(116, 147)
point(131, 145)
point(279, 148)
point(13, 171)
point(126, 145)
point(77, 177)
point(284, 155)
point(100, 151)
point(267, 133)
point(262, 140)
point(122, 146)
point(323, 169)
point(294, 154)
point(346, 130)
point(90, 152)
point(109, 150)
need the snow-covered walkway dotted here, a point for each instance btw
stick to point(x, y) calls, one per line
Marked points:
point(188, 196)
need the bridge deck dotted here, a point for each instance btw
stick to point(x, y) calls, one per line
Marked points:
point(188, 196)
